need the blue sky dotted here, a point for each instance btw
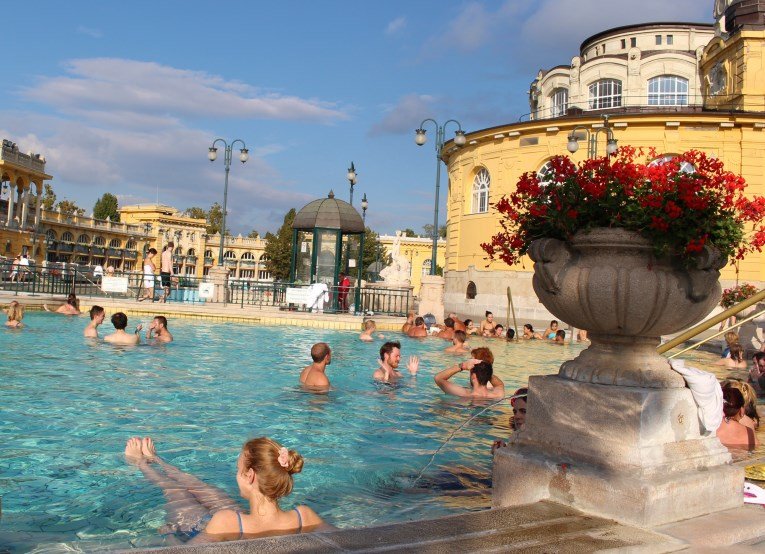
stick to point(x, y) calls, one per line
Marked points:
point(126, 97)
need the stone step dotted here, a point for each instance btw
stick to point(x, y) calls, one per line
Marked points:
point(540, 527)
point(729, 527)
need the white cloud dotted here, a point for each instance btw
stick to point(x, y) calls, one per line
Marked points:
point(88, 31)
point(115, 85)
point(405, 115)
point(395, 26)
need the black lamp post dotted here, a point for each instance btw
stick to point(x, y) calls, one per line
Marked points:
point(212, 154)
point(352, 180)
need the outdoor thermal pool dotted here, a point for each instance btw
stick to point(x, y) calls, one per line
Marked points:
point(69, 405)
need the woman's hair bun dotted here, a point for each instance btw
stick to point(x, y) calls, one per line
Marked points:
point(295, 463)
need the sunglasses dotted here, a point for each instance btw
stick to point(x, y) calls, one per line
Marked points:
point(516, 410)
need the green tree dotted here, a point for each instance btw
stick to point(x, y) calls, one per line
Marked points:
point(69, 208)
point(107, 206)
point(278, 249)
point(253, 234)
point(48, 198)
point(215, 220)
point(409, 232)
point(373, 251)
point(195, 213)
point(429, 231)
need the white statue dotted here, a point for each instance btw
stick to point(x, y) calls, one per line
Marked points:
point(398, 272)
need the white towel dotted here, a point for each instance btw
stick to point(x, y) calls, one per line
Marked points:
point(706, 392)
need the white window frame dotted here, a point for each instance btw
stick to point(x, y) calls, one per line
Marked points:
point(668, 90)
point(685, 167)
point(605, 93)
point(559, 102)
point(481, 186)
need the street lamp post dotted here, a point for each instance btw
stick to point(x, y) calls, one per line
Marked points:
point(352, 180)
point(364, 206)
point(212, 154)
point(420, 139)
point(592, 139)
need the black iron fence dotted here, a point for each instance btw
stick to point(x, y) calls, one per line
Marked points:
point(61, 279)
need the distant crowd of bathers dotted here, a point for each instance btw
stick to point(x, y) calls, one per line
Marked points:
point(157, 333)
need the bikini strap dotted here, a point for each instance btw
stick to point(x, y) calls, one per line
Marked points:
point(300, 520)
point(241, 529)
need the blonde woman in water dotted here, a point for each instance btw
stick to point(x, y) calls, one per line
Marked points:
point(203, 513)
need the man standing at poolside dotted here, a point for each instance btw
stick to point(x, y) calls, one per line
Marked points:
point(166, 268)
point(158, 331)
point(97, 315)
point(344, 285)
point(390, 357)
point(314, 376)
point(120, 320)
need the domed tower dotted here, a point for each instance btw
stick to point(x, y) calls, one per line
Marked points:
point(732, 65)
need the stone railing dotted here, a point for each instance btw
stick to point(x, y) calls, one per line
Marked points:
point(214, 240)
point(81, 221)
point(9, 153)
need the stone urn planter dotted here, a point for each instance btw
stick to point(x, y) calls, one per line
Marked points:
point(609, 282)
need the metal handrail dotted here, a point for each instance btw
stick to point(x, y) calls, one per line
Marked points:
point(706, 340)
point(711, 322)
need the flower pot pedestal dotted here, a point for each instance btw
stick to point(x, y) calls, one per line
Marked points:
point(631, 454)
point(616, 433)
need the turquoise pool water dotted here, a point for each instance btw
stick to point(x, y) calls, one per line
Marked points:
point(68, 406)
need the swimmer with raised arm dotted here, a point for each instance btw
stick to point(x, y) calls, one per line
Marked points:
point(97, 315)
point(390, 358)
point(314, 376)
point(158, 332)
point(198, 512)
point(481, 374)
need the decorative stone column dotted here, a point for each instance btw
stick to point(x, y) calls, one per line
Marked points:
point(11, 194)
point(25, 206)
point(38, 208)
point(219, 277)
point(432, 296)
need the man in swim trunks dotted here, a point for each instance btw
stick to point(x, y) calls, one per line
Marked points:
point(120, 320)
point(481, 374)
point(158, 331)
point(166, 269)
point(419, 329)
point(390, 358)
point(314, 376)
point(458, 343)
point(97, 315)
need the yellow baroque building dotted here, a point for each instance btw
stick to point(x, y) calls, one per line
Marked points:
point(673, 87)
point(195, 251)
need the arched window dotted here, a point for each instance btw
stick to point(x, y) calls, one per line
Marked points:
point(130, 245)
point(426, 267)
point(545, 174)
point(559, 102)
point(264, 258)
point(606, 93)
point(471, 291)
point(229, 255)
point(115, 243)
point(83, 239)
point(248, 256)
point(481, 185)
point(685, 167)
point(99, 241)
point(67, 237)
point(208, 254)
point(178, 251)
point(50, 234)
point(191, 252)
point(668, 90)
